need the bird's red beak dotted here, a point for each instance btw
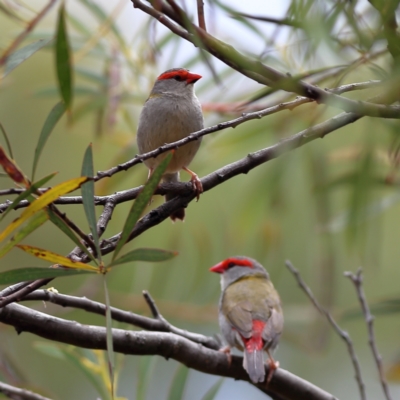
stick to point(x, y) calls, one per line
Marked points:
point(219, 268)
point(192, 78)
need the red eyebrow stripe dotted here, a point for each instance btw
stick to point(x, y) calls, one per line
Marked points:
point(224, 265)
point(169, 75)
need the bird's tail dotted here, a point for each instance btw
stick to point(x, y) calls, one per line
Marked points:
point(253, 360)
point(253, 363)
point(180, 213)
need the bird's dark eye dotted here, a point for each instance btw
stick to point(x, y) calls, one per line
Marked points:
point(231, 264)
point(178, 78)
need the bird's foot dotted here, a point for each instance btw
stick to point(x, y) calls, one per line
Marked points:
point(196, 182)
point(227, 351)
point(272, 366)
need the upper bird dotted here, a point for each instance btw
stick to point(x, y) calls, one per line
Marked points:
point(171, 113)
point(250, 313)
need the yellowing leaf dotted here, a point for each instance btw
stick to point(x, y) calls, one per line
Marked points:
point(41, 202)
point(55, 258)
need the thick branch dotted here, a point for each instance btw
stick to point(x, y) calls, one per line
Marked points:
point(284, 384)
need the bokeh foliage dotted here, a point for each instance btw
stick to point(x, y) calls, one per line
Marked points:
point(329, 206)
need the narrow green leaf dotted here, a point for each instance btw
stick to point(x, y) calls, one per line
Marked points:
point(141, 202)
point(212, 392)
point(27, 193)
point(37, 220)
point(55, 114)
point(63, 60)
point(88, 197)
point(22, 54)
point(153, 255)
point(60, 223)
point(110, 344)
point(8, 143)
point(178, 384)
point(32, 273)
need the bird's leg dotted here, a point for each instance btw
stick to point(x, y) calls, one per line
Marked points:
point(227, 351)
point(151, 170)
point(272, 366)
point(196, 182)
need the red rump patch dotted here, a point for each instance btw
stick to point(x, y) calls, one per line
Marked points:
point(255, 342)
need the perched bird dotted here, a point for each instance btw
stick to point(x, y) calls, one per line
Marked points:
point(250, 313)
point(172, 112)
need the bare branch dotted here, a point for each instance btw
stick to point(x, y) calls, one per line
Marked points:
point(200, 14)
point(21, 394)
point(283, 385)
point(150, 324)
point(20, 290)
point(357, 280)
point(105, 216)
point(343, 334)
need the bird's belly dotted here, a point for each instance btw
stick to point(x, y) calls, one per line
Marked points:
point(171, 131)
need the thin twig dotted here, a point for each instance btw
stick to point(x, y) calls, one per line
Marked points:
point(343, 334)
point(357, 280)
point(200, 14)
point(21, 394)
point(21, 290)
point(195, 337)
point(106, 215)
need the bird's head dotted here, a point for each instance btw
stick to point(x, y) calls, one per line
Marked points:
point(234, 268)
point(177, 80)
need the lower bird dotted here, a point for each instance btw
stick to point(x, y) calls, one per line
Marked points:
point(250, 313)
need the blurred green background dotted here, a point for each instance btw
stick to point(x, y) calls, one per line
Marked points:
point(329, 206)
